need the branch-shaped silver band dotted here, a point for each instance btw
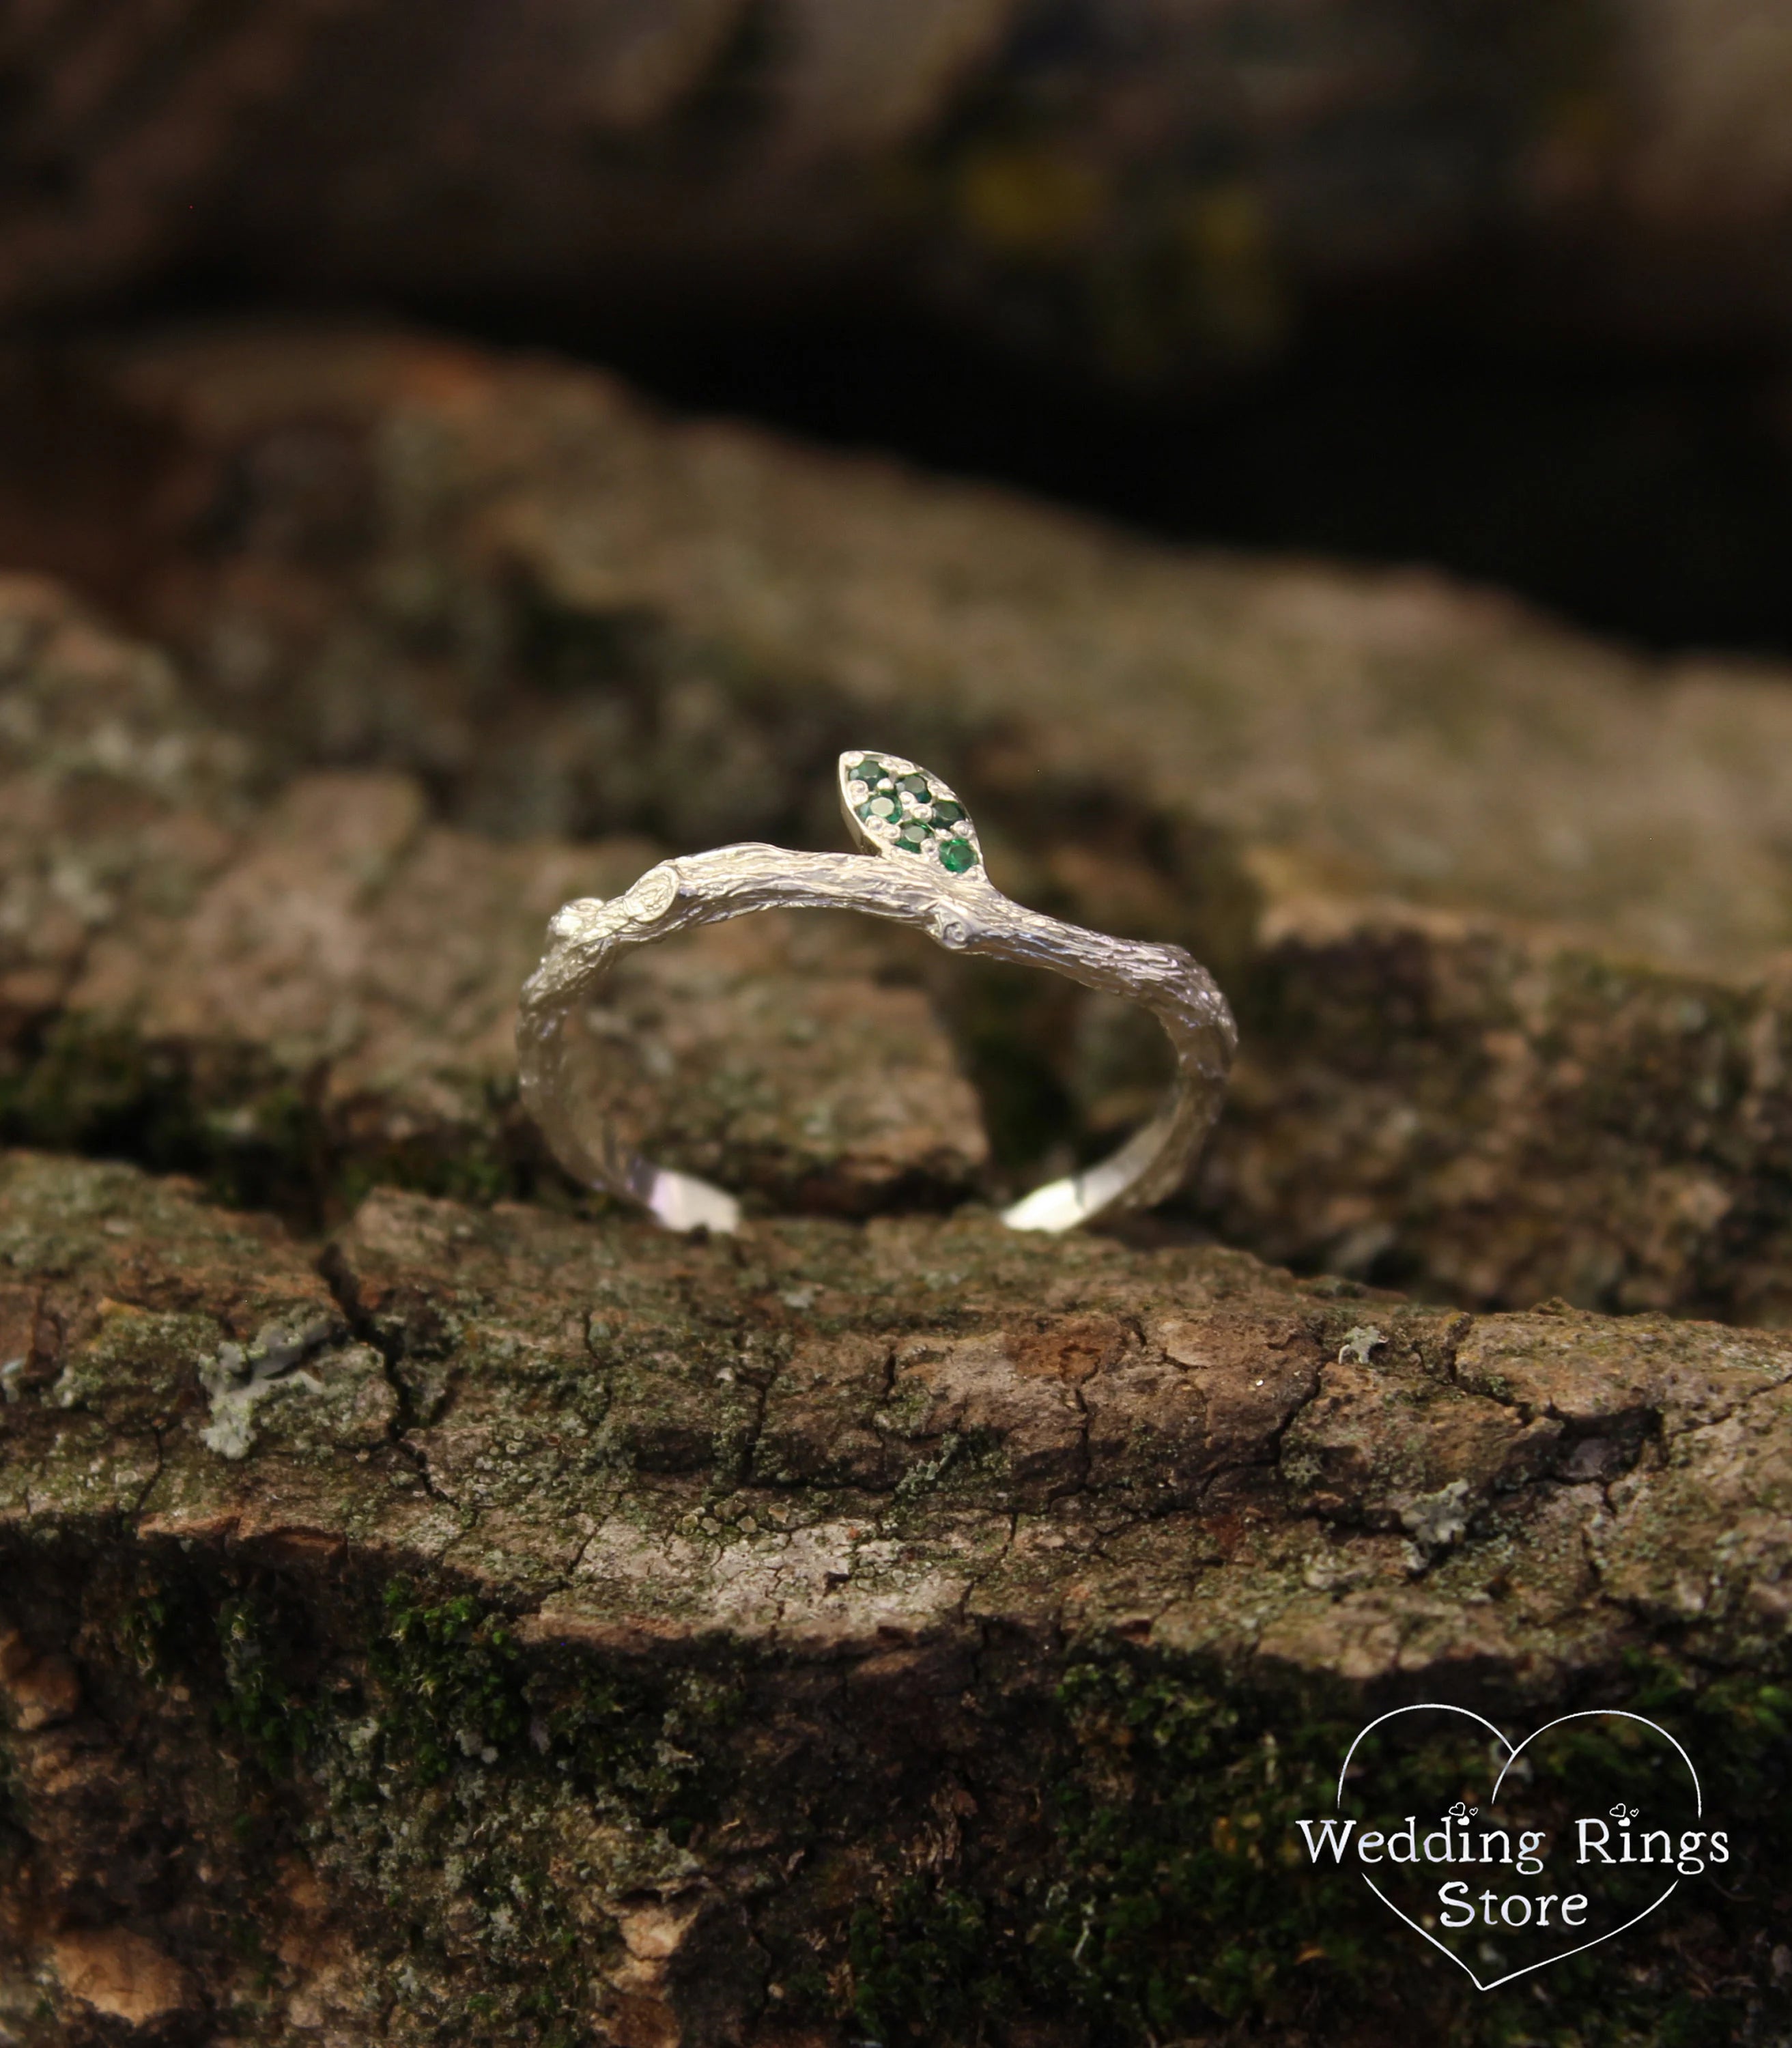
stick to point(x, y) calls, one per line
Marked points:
point(923, 867)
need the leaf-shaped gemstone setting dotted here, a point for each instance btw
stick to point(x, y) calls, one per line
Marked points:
point(900, 809)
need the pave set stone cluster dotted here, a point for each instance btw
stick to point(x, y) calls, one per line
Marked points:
point(909, 811)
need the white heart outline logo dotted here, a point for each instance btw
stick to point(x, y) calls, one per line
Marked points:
point(1514, 1753)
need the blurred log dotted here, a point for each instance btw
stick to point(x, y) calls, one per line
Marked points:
point(530, 1630)
point(1141, 190)
point(1505, 911)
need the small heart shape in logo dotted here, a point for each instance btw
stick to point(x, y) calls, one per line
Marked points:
point(1508, 1857)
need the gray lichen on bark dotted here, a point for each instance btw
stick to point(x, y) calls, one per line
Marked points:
point(576, 1627)
point(433, 1615)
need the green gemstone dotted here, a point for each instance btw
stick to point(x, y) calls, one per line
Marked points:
point(880, 807)
point(946, 813)
point(916, 786)
point(958, 856)
point(915, 835)
point(869, 770)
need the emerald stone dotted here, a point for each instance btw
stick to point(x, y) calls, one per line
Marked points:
point(868, 771)
point(946, 813)
point(881, 807)
point(915, 835)
point(956, 858)
point(916, 786)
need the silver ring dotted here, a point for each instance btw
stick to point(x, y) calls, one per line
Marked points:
point(922, 865)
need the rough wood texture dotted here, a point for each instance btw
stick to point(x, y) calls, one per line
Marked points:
point(465, 1618)
point(519, 1627)
point(305, 994)
point(1504, 913)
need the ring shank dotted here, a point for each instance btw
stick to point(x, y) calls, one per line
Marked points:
point(965, 914)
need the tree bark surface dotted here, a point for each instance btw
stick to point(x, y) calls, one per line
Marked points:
point(544, 1628)
point(1503, 911)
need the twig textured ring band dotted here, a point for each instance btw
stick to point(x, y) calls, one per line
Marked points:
point(922, 865)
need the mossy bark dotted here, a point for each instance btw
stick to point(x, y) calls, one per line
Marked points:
point(539, 1628)
point(1504, 912)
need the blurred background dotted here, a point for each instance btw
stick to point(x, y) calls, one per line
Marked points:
point(1503, 285)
